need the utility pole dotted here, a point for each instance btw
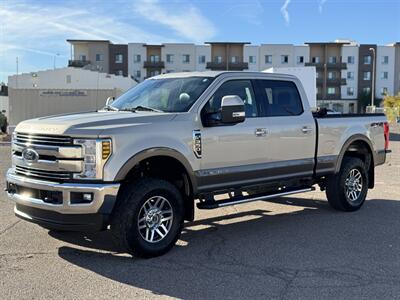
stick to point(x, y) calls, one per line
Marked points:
point(373, 77)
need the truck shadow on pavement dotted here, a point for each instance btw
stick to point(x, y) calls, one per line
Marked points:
point(260, 253)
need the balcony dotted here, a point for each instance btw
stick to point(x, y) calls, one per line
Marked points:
point(319, 66)
point(216, 66)
point(219, 66)
point(239, 66)
point(78, 63)
point(336, 81)
point(154, 64)
point(328, 97)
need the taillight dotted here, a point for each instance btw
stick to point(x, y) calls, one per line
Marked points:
point(386, 134)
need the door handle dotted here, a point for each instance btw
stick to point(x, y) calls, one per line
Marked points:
point(306, 129)
point(260, 132)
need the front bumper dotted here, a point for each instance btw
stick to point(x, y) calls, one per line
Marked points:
point(63, 214)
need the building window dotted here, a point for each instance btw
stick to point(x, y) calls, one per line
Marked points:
point(185, 58)
point(119, 58)
point(384, 75)
point(268, 59)
point(218, 59)
point(119, 73)
point(317, 75)
point(138, 74)
point(367, 59)
point(68, 78)
point(367, 75)
point(367, 90)
point(300, 59)
point(332, 59)
point(99, 57)
point(384, 91)
point(350, 91)
point(350, 60)
point(154, 58)
point(315, 60)
point(234, 59)
point(284, 59)
point(350, 75)
point(154, 73)
point(385, 60)
point(170, 58)
point(252, 59)
point(137, 58)
point(82, 57)
point(331, 91)
point(202, 59)
point(331, 75)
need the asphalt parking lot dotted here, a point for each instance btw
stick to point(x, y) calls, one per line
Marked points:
point(292, 247)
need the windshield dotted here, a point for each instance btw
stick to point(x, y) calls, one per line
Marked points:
point(167, 95)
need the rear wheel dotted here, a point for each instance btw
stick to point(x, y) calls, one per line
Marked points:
point(347, 190)
point(148, 218)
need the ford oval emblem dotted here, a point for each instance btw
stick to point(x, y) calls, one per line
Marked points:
point(29, 155)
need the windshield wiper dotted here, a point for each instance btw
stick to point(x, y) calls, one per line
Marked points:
point(110, 108)
point(142, 108)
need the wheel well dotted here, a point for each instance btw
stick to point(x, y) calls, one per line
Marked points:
point(362, 150)
point(169, 169)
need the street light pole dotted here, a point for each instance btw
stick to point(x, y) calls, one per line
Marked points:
point(54, 63)
point(373, 77)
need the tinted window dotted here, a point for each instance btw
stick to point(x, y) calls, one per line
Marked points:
point(280, 98)
point(241, 88)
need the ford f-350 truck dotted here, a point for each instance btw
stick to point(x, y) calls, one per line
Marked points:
point(138, 166)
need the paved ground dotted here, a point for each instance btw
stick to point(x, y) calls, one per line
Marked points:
point(293, 247)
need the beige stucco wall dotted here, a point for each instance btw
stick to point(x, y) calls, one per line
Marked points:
point(31, 103)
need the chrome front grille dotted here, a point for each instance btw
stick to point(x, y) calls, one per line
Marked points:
point(40, 174)
point(58, 158)
point(40, 139)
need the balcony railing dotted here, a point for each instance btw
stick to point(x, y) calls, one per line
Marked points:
point(338, 66)
point(78, 63)
point(239, 66)
point(154, 64)
point(328, 97)
point(336, 81)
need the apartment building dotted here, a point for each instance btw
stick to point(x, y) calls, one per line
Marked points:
point(344, 68)
point(227, 56)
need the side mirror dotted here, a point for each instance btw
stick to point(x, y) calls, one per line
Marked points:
point(110, 100)
point(232, 110)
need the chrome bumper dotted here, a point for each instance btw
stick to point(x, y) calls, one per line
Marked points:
point(104, 195)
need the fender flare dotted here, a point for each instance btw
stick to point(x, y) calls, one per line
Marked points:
point(153, 152)
point(349, 141)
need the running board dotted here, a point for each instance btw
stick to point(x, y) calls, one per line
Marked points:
point(245, 199)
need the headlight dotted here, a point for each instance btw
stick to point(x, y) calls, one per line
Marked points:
point(95, 154)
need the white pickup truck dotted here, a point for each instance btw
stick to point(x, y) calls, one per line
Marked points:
point(139, 165)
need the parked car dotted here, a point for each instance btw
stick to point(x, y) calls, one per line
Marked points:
point(140, 164)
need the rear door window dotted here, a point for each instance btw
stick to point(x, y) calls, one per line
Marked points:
point(280, 98)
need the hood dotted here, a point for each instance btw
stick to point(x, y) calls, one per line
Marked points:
point(90, 123)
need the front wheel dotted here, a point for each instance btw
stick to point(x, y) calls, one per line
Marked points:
point(347, 190)
point(148, 218)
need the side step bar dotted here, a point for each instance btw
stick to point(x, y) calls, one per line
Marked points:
point(245, 199)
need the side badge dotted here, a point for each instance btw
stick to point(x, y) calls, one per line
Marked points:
point(197, 143)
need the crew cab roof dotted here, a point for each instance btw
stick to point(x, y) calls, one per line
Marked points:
point(218, 73)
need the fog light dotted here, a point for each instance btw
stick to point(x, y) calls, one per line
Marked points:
point(87, 197)
point(81, 198)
